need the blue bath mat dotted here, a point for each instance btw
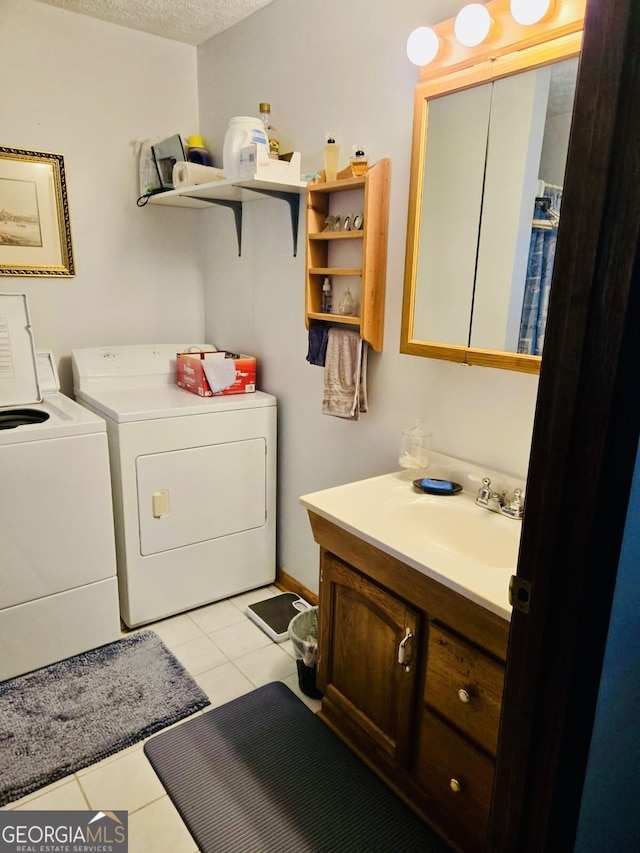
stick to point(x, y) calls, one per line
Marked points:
point(71, 714)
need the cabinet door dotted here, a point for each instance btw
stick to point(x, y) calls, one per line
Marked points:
point(362, 628)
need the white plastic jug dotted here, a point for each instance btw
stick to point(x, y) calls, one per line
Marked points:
point(243, 130)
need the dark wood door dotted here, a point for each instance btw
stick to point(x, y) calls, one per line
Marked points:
point(361, 631)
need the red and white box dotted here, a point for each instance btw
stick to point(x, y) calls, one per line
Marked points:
point(213, 374)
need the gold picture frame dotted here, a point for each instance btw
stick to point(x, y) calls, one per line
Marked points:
point(35, 235)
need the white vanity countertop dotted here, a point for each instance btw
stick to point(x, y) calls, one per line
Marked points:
point(449, 538)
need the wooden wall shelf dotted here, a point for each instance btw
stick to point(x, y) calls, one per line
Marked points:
point(372, 199)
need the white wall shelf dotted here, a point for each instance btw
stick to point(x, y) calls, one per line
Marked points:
point(233, 194)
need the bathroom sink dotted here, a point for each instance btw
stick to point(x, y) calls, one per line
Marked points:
point(458, 528)
point(450, 538)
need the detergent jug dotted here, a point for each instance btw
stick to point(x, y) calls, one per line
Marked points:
point(243, 131)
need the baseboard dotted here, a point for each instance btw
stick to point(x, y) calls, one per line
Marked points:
point(290, 584)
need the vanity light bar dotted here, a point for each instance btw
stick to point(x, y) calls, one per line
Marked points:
point(495, 26)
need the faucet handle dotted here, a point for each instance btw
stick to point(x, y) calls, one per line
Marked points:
point(484, 493)
point(515, 507)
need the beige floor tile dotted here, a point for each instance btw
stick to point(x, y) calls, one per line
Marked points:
point(39, 792)
point(241, 601)
point(109, 759)
point(240, 639)
point(287, 646)
point(128, 783)
point(176, 630)
point(66, 796)
point(199, 655)
point(223, 684)
point(215, 616)
point(264, 665)
point(159, 828)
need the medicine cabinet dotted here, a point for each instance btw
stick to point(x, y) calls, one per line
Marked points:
point(489, 148)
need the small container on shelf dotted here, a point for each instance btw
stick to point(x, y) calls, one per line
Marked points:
point(347, 304)
point(197, 153)
point(327, 296)
point(359, 161)
point(331, 156)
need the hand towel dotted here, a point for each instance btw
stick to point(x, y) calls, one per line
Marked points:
point(318, 336)
point(345, 385)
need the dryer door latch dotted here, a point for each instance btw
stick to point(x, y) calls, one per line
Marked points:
point(160, 503)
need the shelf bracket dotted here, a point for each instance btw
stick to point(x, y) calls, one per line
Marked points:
point(235, 206)
point(293, 200)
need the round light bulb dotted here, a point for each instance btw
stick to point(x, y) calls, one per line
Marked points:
point(422, 46)
point(527, 12)
point(472, 24)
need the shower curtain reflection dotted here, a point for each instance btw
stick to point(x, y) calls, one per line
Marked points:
point(542, 250)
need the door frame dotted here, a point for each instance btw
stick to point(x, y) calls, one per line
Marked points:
point(585, 441)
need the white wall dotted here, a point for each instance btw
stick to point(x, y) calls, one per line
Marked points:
point(338, 67)
point(85, 89)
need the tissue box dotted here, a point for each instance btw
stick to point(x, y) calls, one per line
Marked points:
point(191, 373)
point(254, 164)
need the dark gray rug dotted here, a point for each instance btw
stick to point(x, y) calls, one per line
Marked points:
point(263, 773)
point(71, 714)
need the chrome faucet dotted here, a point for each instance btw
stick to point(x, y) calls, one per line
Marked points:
point(512, 507)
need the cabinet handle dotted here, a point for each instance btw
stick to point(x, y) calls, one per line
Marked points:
point(464, 696)
point(402, 652)
point(455, 786)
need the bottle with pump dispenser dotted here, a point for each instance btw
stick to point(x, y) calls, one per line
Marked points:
point(272, 133)
point(327, 296)
point(331, 155)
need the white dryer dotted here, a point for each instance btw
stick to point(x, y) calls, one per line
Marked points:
point(58, 587)
point(194, 481)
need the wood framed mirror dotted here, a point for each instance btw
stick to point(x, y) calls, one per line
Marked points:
point(490, 136)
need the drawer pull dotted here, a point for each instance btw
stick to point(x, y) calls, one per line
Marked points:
point(402, 651)
point(455, 786)
point(464, 696)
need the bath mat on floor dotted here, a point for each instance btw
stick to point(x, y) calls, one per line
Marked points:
point(71, 714)
point(263, 773)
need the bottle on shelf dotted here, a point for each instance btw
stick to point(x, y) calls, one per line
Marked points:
point(327, 296)
point(272, 133)
point(331, 155)
point(359, 161)
point(197, 153)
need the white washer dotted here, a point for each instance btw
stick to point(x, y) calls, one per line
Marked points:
point(194, 481)
point(58, 587)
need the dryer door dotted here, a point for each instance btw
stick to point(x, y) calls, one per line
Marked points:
point(189, 496)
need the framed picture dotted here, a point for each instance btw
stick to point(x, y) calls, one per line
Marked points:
point(35, 236)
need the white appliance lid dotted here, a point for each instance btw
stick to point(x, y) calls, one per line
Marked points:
point(146, 404)
point(18, 373)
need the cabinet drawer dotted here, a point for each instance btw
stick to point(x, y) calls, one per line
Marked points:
point(465, 686)
point(457, 779)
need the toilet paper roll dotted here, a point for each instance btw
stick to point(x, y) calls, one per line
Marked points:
point(187, 174)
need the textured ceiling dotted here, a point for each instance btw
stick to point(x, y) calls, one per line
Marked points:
point(190, 21)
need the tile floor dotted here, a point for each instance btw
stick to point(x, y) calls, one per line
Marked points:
point(228, 656)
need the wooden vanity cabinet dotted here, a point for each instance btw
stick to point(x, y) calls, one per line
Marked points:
point(427, 723)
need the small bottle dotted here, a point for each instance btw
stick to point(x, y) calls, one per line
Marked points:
point(359, 161)
point(331, 155)
point(272, 133)
point(197, 153)
point(327, 299)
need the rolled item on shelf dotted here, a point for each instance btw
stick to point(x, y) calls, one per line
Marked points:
point(187, 174)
